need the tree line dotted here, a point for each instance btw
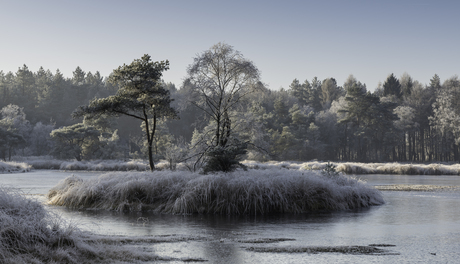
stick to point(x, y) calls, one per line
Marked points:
point(223, 112)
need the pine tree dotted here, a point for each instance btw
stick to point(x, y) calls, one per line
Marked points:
point(392, 87)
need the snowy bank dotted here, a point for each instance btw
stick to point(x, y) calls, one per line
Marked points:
point(239, 192)
point(11, 167)
point(363, 168)
point(29, 234)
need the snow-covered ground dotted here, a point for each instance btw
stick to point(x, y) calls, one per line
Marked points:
point(240, 192)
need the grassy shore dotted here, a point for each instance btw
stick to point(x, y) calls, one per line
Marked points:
point(364, 168)
point(24, 164)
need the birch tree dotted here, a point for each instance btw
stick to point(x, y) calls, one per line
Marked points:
point(220, 79)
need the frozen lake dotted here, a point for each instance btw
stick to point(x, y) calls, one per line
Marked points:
point(420, 226)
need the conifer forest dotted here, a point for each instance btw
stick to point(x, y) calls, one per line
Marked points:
point(224, 104)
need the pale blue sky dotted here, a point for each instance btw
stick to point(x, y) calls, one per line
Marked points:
point(285, 39)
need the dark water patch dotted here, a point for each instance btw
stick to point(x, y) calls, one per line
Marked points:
point(382, 245)
point(189, 260)
point(147, 240)
point(353, 250)
point(417, 188)
point(265, 240)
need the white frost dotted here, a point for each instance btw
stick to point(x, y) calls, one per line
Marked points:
point(239, 192)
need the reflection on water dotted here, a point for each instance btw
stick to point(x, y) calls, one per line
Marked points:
point(417, 223)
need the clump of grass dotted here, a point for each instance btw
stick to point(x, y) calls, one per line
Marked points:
point(29, 234)
point(240, 192)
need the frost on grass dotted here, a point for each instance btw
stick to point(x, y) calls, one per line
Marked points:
point(29, 234)
point(240, 192)
point(12, 167)
point(97, 165)
point(363, 168)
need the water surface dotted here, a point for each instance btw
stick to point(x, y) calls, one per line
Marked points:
point(422, 227)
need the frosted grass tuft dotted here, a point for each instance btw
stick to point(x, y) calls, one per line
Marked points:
point(363, 168)
point(30, 234)
point(12, 167)
point(240, 192)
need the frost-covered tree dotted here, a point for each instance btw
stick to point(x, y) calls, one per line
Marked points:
point(78, 76)
point(175, 152)
point(435, 82)
point(110, 147)
point(329, 134)
point(407, 83)
point(141, 96)
point(220, 78)
point(405, 124)
point(40, 141)
point(14, 121)
point(366, 122)
point(8, 142)
point(284, 143)
point(306, 93)
point(446, 116)
point(329, 92)
point(77, 141)
point(352, 83)
point(420, 138)
point(253, 129)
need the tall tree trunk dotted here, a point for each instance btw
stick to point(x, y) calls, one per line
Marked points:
point(422, 145)
point(150, 138)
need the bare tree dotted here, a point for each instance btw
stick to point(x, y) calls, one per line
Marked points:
point(219, 79)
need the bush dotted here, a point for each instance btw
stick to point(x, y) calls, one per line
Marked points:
point(225, 159)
